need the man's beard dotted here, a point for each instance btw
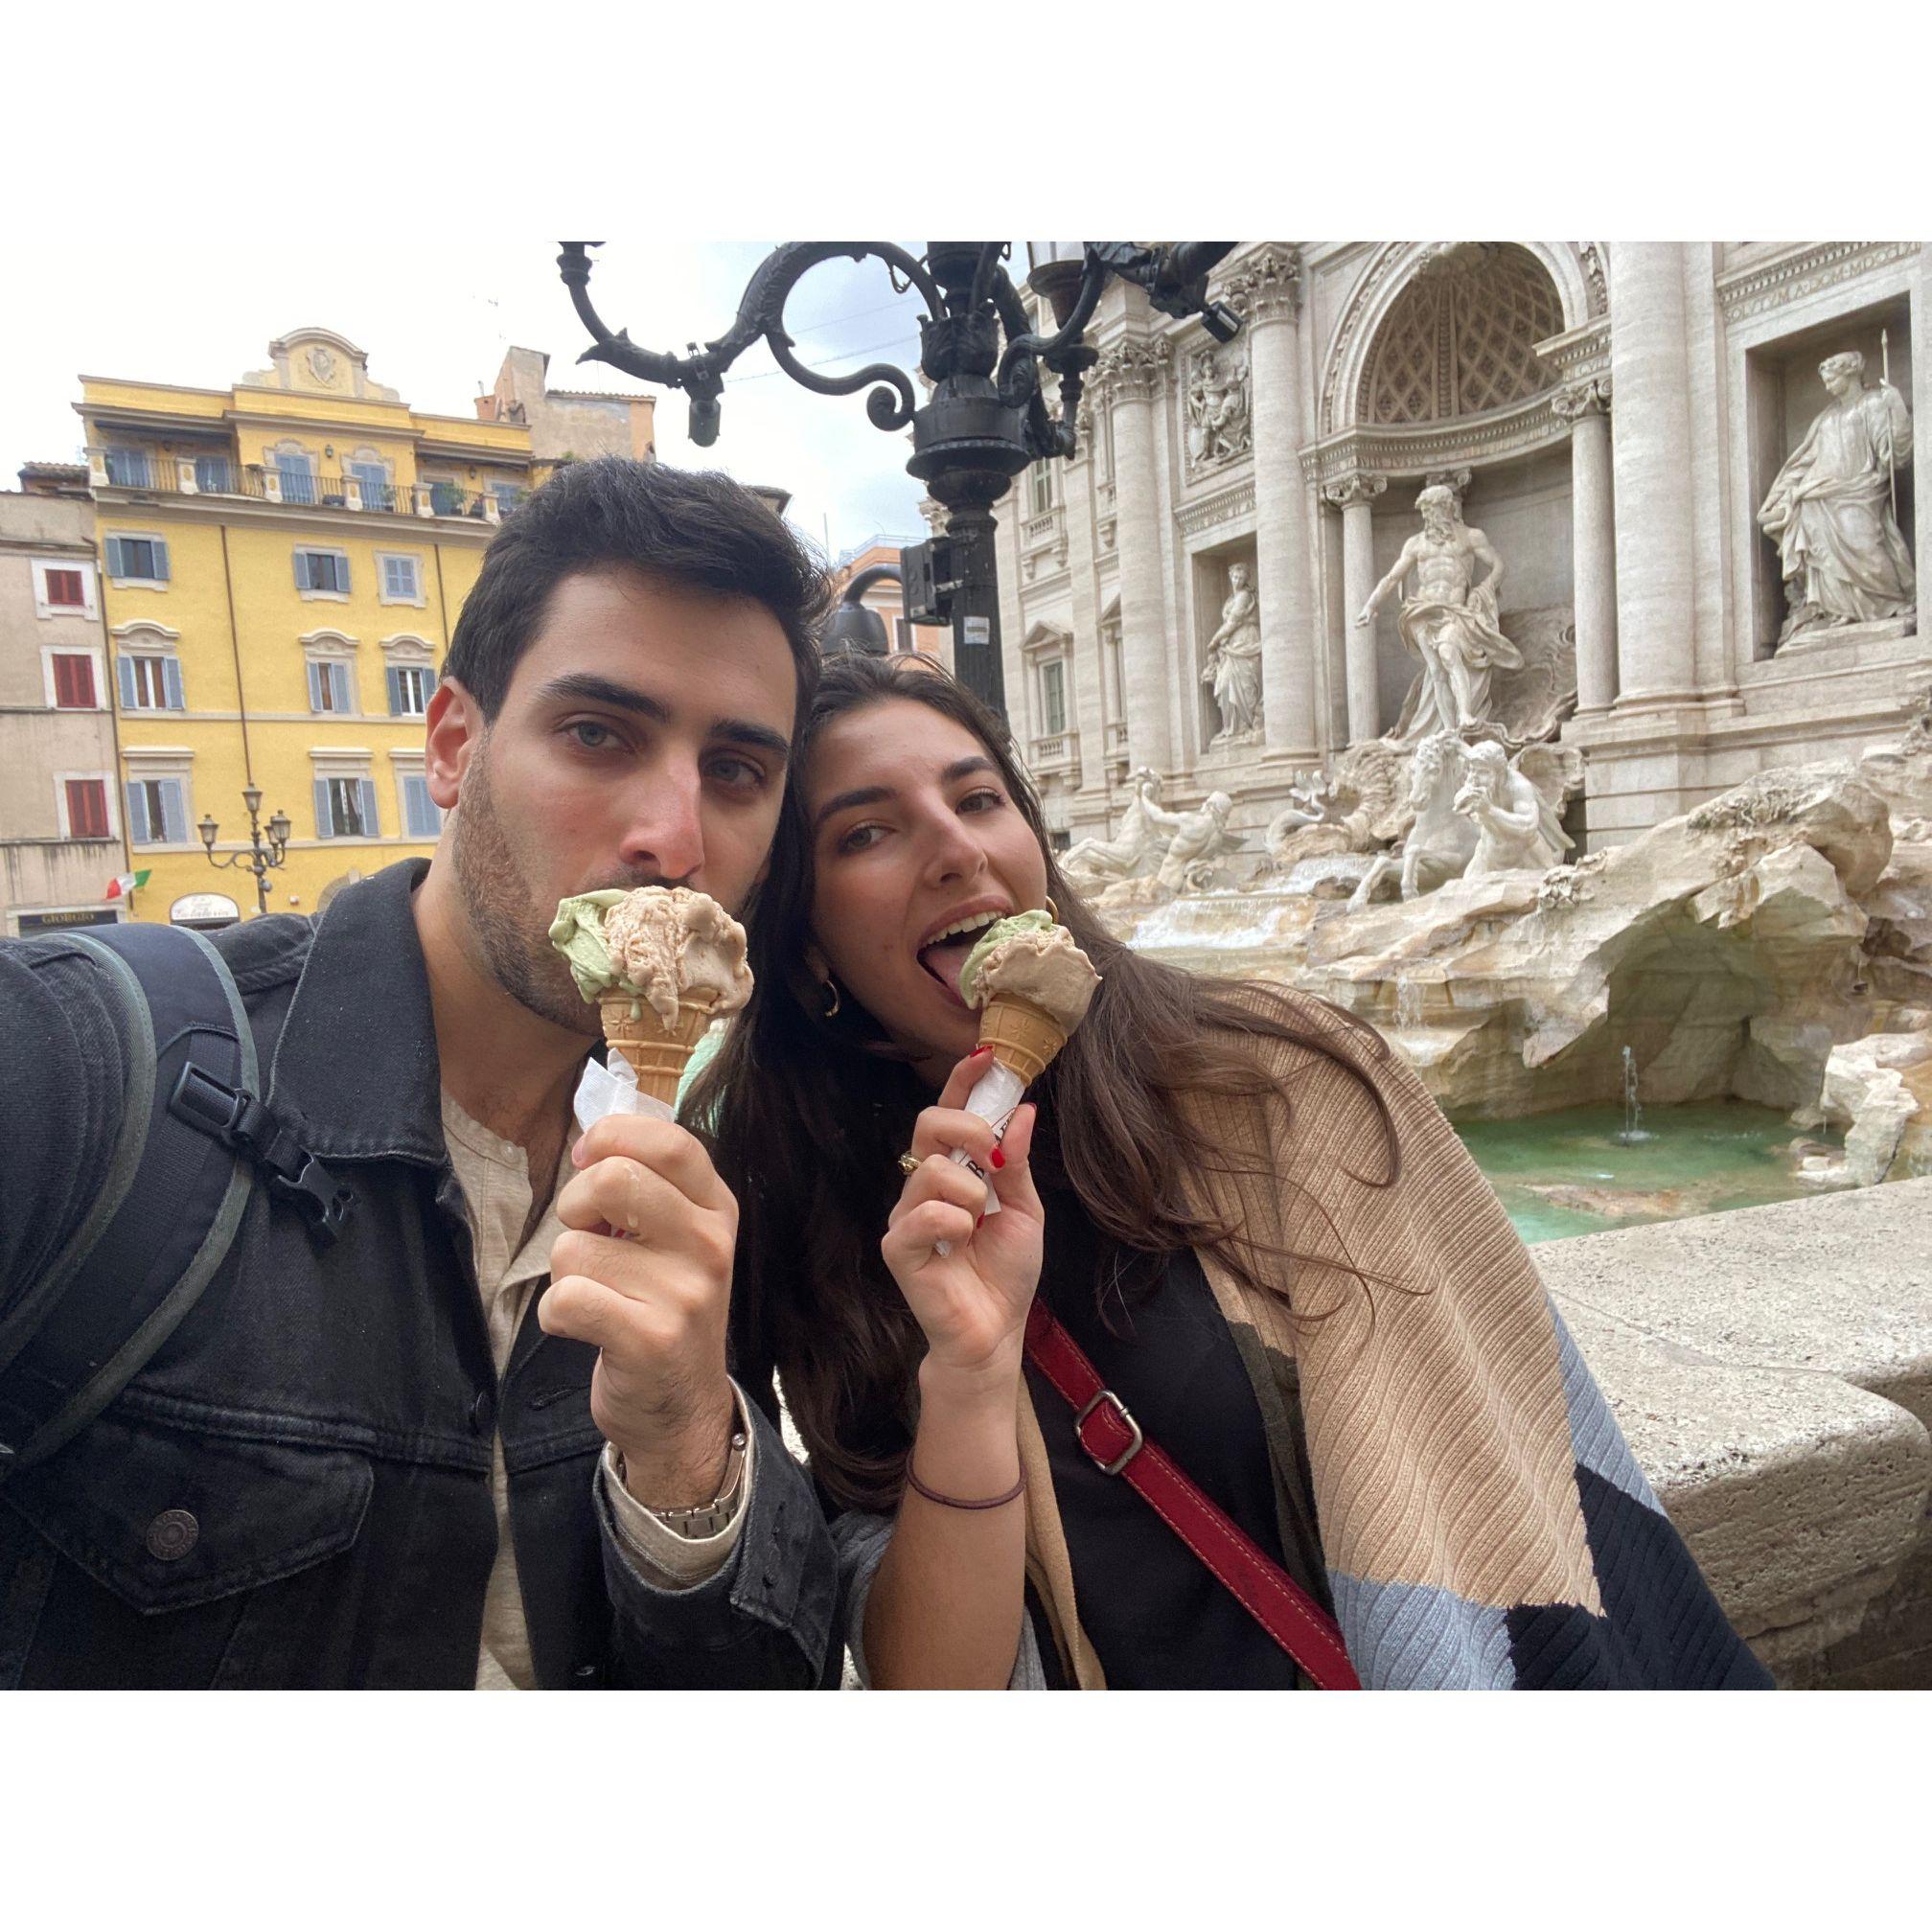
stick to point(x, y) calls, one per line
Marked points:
point(498, 903)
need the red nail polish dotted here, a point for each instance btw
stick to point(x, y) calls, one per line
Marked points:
point(976, 1052)
point(979, 1224)
point(998, 1158)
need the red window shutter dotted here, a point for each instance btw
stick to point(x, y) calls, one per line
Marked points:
point(63, 588)
point(73, 683)
point(87, 807)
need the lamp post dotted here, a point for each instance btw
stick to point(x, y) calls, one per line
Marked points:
point(260, 858)
point(852, 625)
point(988, 417)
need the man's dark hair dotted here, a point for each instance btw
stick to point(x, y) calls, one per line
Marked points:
point(694, 528)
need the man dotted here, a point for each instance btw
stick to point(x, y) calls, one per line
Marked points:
point(1831, 509)
point(1451, 621)
point(481, 1439)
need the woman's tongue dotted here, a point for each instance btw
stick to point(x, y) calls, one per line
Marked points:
point(946, 960)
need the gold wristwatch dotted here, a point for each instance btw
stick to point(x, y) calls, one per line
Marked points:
point(706, 1519)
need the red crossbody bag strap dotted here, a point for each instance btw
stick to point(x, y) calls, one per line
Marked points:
point(1110, 1435)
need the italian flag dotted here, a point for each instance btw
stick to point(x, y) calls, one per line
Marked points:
point(125, 883)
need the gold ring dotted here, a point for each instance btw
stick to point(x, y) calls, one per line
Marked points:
point(908, 1163)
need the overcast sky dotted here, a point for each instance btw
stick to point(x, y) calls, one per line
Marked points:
point(436, 324)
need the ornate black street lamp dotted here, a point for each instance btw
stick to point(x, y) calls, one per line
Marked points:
point(261, 859)
point(852, 625)
point(988, 417)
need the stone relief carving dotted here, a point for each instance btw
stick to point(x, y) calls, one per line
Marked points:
point(1233, 667)
point(1359, 806)
point(1219, 429)
point(1588, 398)
point(1805, 271)
point(1267, 285)
point(1134, 370)
point(1450, 623)
point(1831, 510)
point(1222, 508)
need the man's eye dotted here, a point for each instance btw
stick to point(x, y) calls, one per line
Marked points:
point(742, 773)
point(590, 735)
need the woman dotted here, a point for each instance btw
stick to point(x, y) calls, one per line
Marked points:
point(1245, 1210)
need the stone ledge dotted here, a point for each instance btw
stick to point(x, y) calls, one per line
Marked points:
point(1772, 1369)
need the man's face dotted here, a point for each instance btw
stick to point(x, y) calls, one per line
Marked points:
point(643, 742)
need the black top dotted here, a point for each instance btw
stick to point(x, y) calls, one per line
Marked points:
point(1157, 1616)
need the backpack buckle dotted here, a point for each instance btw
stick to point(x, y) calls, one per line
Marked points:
point(243, 1123)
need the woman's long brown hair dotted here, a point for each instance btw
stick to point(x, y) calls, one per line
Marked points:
point(806, 1114)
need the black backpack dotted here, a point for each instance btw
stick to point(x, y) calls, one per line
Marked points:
point(194, 1137)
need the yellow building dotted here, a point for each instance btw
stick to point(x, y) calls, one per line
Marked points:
point(281, 563)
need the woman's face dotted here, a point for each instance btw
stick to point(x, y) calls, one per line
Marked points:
point(917, 846)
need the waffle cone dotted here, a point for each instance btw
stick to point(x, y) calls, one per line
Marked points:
point(1023, 1036)
point(659, 1058)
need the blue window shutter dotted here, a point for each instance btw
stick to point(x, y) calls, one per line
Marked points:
point(174, 813)
point(325, 823)
point(338, 678)
point(161, 561)
point(393, 677)
point(124, 668)
point(137, 813)
point(371, 823)
point(315, 692)
point(171, 683)
point(115, 567)
point(301, 570)
point(343, 572)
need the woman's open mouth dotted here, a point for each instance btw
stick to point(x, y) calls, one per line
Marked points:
point(944, 958)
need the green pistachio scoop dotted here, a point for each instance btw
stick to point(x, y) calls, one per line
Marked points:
point(578, 933)
point(1001, 929)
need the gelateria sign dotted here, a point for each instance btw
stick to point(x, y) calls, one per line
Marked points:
point(203, 908)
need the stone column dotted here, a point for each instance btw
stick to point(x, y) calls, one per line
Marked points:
point(1130, 375)
point(1266, 288)
point(1357, 495)
point(1586, 407)
point(1650, 448)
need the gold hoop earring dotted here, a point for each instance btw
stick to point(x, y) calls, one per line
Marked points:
point(829, 987)
point(1052, 911)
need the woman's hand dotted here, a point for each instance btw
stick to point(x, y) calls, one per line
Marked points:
point(972, 1302)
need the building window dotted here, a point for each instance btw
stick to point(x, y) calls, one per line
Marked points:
point(374, 478)
point(508, 495)
point(157, 812)
point(329, 690)
point(130, 470)
point(86, 808)
point(345, 808)
point(445, 498)
point(422, 815)
point(1042, 488)
point(322, 572)
point(1053, 697)
point(150, 684)
point(137, 559)
point(66, 590)
point(409, 689)
point(213, 475)
point(74, 681)
point(63, 589)
point(297, 472)
point(402, 580)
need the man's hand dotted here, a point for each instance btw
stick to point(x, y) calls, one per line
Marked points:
point(644, 1274)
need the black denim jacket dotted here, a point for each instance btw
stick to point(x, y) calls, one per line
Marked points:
point(295, 1492)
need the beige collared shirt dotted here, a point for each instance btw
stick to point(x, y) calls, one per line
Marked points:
point(494, 1179)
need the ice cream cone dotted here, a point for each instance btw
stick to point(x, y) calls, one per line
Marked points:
point(659, 1058)
point(1023, 1036)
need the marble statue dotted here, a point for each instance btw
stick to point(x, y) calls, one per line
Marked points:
point(1145, 828)
point(1831, 510)
point(1357, 807)
point(1233, 667)
point(1200, 838)
point(1442, 841)
point(1218, 428)
point(1516, 809)
point(1451, 623)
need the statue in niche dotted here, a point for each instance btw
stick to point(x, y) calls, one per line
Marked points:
point(1145, 827)
point(1217, 407)
point(1200, 838)
point(1451, 621)
point(1233, 668)
point(1442, 841)
point(1516, 807)
point(1831, 510)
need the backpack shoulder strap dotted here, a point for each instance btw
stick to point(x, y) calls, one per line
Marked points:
point(191, 1138)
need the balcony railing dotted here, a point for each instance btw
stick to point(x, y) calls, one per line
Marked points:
point(158, 475)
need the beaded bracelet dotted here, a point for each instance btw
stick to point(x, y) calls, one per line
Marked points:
point(958, 1503)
